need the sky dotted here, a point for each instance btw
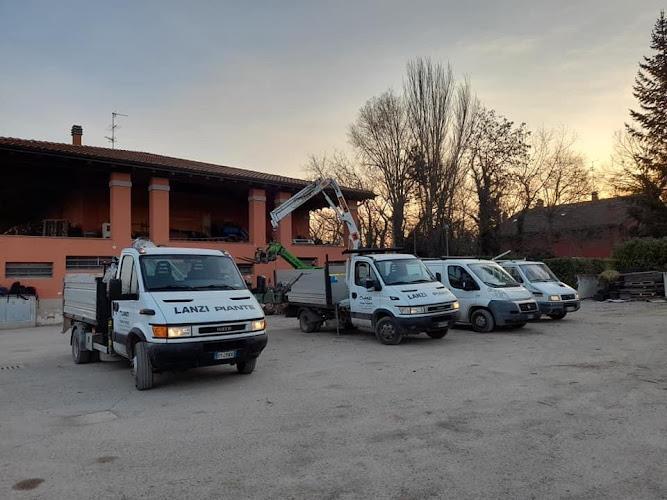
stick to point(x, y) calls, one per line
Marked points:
point(265, 84)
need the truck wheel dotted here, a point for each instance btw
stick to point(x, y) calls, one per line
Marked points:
point(437, 334)
point(560, 315)
point(387, 331)
point(142, 368)
point(305, 325)
point(79, 355)
point(482, 321)
point(246, 367)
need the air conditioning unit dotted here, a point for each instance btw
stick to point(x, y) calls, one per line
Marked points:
point(106, 230)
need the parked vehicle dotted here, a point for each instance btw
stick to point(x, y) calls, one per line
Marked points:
point(391, 294)
point(555, 298)
point(165, 308)
point(488, 295)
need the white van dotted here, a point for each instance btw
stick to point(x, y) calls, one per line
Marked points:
point(488, 295)
point(555, 298)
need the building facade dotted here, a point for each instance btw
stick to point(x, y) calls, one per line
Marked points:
point(68, 207)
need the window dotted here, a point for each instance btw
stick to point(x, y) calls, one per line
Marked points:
point(190, 272)
point(246, 269)
point(493, 275)
point(79, 262)
point(514, 272)
point(128, 276)
point(458, 277)
point(538, 272)
point(362, 272)
point(29, 269)
point(403, 271)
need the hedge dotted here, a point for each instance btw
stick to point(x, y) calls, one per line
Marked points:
point(567, 268)
point(641, 254)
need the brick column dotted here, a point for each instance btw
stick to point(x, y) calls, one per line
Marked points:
point(158, 210)
point(284, 232)
point(257, 217)
point(120, 208)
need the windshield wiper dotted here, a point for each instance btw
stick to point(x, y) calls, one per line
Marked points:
point(171, 287)
point(216, 287)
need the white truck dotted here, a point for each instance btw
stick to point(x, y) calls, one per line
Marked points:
point(165, 309)
point(488, 295)
point(390, 293)
point(555, 298)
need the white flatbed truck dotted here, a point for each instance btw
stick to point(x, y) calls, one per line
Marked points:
point(165, 309)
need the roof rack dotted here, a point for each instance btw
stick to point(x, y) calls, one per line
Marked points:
point(363, 251)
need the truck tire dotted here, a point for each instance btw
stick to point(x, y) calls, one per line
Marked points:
point(304, 323)
point(482, 321)
point(79, 354)
point(246, 367)
point(142, 368)
point(388, 332)
point(558, 316)
point(437, 334)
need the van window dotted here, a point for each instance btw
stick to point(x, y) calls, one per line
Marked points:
point(458, 277)
point(362, 272)
point(514, 272)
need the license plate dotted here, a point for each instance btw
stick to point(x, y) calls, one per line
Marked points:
point(224, 355)
point(442, 324)
point(570, 308)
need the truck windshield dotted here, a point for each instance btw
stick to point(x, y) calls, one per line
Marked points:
point(493, 275)
point(403, 271)
point(538, 272)
point(190, 272)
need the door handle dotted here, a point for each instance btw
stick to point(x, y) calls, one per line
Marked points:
point(114, 306)
point(354, 295)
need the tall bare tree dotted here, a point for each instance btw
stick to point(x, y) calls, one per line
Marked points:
point(441, 114)
point(381, 136)
point(497, 149)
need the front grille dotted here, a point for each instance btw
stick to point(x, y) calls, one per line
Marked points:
point(567, 296)
point(528, 306)
point(221, 329)
point(439, 307)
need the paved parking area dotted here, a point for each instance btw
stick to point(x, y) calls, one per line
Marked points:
point(573, 409)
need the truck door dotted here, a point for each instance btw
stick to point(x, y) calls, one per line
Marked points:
point(363, 301)
point(125, 310)
point(464, 286)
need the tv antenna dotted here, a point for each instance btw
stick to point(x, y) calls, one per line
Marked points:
point(113, 139)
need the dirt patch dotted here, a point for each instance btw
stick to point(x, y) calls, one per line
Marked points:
point(106, 459)
point(28, 484)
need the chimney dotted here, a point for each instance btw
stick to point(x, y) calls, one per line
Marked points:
point(594, 196)
point(540, 203)
point(77, 134)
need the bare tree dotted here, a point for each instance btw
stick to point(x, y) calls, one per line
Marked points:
point(497, 149)
point(381, 136)
point(441, 114)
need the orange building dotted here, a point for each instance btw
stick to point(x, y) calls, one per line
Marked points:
point(67, 207)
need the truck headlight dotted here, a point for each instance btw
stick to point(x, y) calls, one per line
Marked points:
point(258, 324)
point(456, 305)
point(411, 309)
point(179, 331)
point(554, 298)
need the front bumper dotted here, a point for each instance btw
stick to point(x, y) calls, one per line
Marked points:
point(183, 355)
point(427, 323)
point(559, 307)
point(506, 312)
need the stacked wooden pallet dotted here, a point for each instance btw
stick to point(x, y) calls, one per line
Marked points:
point(639, 286)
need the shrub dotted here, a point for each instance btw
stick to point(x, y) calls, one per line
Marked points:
point(567, 268)
point(642, 254)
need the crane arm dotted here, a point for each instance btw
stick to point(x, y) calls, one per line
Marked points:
point(339, 206)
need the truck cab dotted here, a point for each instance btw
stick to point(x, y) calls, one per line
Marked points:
point(555, 298)
point(169, 308)
point(487, 294)
point(395, 294)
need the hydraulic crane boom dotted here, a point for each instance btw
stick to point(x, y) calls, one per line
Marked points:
point(312, 190)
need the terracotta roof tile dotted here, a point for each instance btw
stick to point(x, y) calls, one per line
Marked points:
point(149, 160)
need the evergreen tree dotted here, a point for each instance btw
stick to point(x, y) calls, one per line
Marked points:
point(650, 134)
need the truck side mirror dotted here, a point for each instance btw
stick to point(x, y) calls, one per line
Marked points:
point(372, 284)
point(438, 276)
point(115, 289)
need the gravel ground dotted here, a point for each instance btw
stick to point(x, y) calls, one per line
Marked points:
point(569, 409)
